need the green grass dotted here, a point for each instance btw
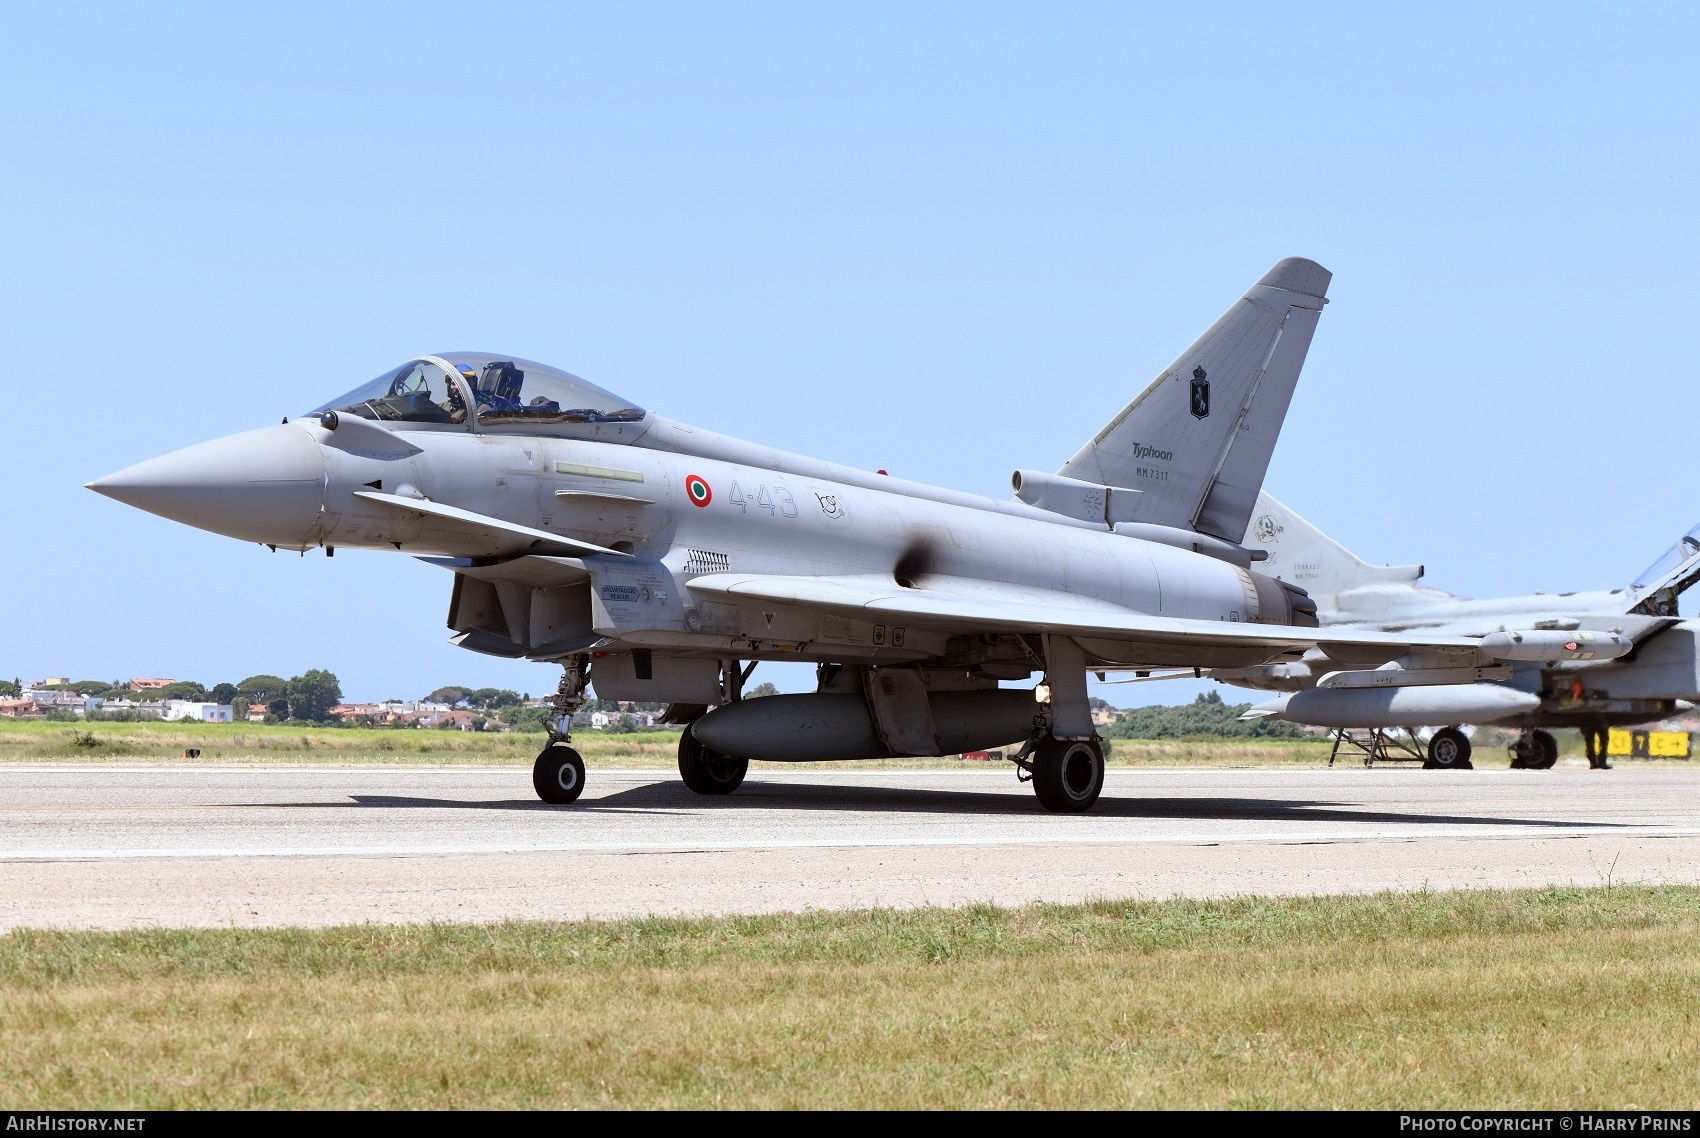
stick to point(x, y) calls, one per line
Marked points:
point(37, 741)
point(1538, 999)
point(154, 742)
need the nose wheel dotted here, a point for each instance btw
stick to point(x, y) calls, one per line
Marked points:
point(558, 774)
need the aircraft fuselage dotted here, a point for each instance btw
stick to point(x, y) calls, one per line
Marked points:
point(667, 516)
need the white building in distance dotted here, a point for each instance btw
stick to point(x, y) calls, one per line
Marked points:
point(200, 712)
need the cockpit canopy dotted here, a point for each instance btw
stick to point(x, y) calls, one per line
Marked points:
point(501, 390)
point(1669, 561)
point(1666, 579)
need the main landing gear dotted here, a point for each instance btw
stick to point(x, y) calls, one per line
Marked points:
point(706, 771)
point(1064, 758)
point(1448, 750)
point(1068, 774)
point(1534, 751)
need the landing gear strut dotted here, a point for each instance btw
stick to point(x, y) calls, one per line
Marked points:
point(558, 773)
point(1534, 751)
point(1067, 772)
point(1448, 750)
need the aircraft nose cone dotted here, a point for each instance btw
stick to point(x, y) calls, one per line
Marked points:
point(266, 485)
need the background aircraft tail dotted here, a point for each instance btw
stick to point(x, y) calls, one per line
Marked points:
point(1197, 441)
point(1307, 557)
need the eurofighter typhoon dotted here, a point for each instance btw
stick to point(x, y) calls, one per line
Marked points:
point(661, 561)
point(1658, 678)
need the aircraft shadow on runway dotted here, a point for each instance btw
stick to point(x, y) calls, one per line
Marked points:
point(756, 795)
point(404, 802)
point(669, 796)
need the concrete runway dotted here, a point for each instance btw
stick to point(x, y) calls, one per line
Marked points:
point(113, 847)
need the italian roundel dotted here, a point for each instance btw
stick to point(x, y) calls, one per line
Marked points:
point(697, 488)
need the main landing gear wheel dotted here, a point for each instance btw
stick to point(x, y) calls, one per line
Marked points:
point(1534, 751)
point(1449, 750)
point(1068, 774)
point(558, 774)
point(706, 771)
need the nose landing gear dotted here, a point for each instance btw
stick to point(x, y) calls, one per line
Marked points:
point(558, 773)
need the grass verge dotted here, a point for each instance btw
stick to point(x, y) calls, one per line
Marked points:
point(153, 742)
point(1538, 999)
point(255, 743)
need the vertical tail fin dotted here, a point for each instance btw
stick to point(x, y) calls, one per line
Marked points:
point(1307, 557)
point(1197, 441)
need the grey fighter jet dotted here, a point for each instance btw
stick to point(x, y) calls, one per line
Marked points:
point(662, 560)
point(1659, 677)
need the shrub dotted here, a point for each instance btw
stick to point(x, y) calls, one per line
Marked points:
point(1206, 717)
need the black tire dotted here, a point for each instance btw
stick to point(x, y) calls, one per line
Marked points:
point(1524, 753)
point(1068, 775)
point(1546, 751)
point(558, 774)
point(1449, 750)
point(706, 771)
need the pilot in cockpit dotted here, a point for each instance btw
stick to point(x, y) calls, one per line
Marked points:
point(504, 391)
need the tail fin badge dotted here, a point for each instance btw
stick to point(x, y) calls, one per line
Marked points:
point(1200, 394)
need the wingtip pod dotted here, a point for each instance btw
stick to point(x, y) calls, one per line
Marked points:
point(1300, 275)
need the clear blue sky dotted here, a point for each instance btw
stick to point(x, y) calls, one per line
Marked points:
point(942, 239)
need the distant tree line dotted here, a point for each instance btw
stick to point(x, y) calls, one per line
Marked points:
point(1206, 717)
point(308, 697)
point(478, 699)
